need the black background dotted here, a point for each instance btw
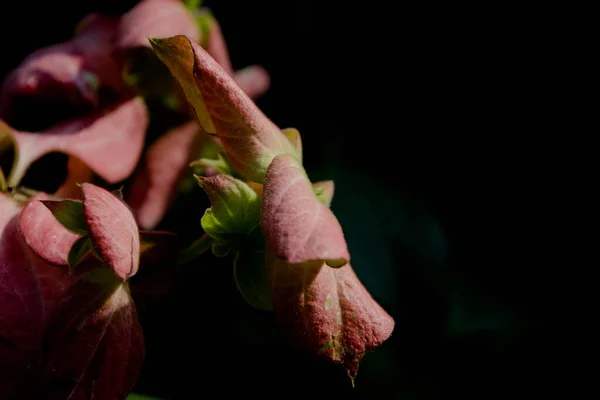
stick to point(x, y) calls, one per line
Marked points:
point(424, 111)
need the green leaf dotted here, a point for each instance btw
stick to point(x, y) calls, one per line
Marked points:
point(196, 249)
point(324, 191)
point(192, 4)
point(221, 164)
point(221, 249)
point(250, 277)
point(118, 192)
point(80, 248)
point(136, 396)
point(69, 213)
point(235, 207)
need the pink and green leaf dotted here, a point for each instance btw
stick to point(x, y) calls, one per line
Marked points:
point(250, 139)
point(234, 210)
point(299, 227)
point(327, 311)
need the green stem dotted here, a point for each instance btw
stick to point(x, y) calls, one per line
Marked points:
point(196, 249)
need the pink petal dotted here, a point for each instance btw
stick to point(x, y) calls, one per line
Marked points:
point(328, 311)
point(44, 235)
point(298, 226)
point(110, 143)
point(21, 308)
point(113, 230)
point(155, 182)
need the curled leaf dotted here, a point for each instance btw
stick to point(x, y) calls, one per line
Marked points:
point(21, 310)
point(110, 143)
point(70, 73)
point(250, 139)
point(298, 226)
point(93, 345)
point(113, 230)
point(234, 210)
point(155, 182)
point(44, 234)
point(328, 311)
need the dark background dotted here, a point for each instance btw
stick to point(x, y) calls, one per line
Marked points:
point(421, 115)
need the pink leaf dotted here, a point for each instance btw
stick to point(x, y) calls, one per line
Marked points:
point(298, 226)
point(21, 308)
point(71, 71)
point(155, 182)
point(250, 139)
point(154, 18)
point(113, 230)
point(44, 235)
point(110, 143)
point(93, 345)
point(328, 311)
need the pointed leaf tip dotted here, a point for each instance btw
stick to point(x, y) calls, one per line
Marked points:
point(235, 206)
point(328, 311)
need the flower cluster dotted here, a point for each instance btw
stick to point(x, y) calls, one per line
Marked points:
point(68, 324)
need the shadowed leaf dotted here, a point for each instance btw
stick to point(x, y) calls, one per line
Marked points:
point(110, 143)
point(21, 311)
point(93, 345)
point(71, 72)
point(251, 278)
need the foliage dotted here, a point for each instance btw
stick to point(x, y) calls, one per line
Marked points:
point(68, 254)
